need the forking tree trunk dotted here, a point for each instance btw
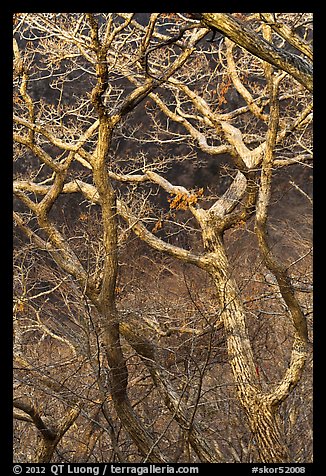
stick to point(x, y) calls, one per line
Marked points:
point(261, 409)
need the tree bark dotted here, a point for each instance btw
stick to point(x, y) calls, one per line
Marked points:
point(267, 430)
point(262, 414)
point(234, 29)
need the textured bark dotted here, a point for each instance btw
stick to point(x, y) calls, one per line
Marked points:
point(234, 29)
point(289, 35)
point(105, 302)
point(261, 409)
point(268, 431)
point(232, 311)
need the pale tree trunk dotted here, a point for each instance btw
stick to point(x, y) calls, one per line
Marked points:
point(262, 415)
point(262, 409)
point(268, 431)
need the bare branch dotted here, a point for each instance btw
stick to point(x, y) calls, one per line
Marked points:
point(233, 28)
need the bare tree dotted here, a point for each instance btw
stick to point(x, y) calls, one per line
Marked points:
point(107, 107)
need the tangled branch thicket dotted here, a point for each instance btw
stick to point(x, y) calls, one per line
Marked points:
point(163, 248)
